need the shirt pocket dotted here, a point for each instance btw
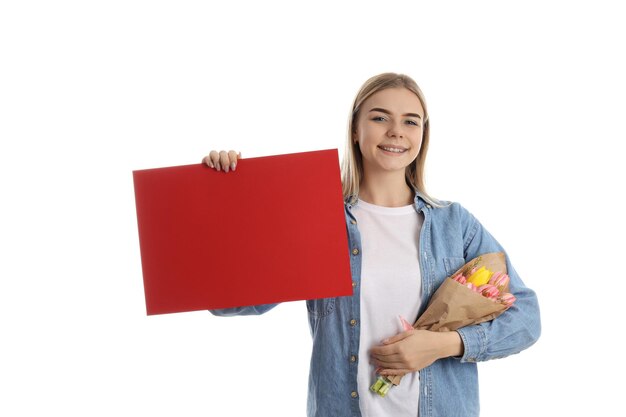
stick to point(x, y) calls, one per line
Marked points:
point(320, 307)
point(452, 264)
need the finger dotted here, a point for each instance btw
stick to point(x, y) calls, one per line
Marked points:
point(232, 156)
point(384, 350)
point(386, 345)
point(394, 372)
point(207, 161)
point(214, 157)
point(390, 362)
point(398, 337)
point(395, 363)
point(384, 365)
point(380, 353)
point(224, 162)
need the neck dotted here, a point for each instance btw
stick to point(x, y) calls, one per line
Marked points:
point(387, 189)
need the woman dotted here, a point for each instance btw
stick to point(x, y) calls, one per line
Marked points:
point(403, 244)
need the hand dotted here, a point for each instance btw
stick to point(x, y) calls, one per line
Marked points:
point(222, 160)
point(413, 350)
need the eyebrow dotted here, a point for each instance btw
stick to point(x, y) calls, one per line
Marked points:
point(389, 113)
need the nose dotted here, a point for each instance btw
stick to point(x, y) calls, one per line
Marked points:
point(395, 130)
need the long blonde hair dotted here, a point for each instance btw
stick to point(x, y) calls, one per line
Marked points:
point(352, 164)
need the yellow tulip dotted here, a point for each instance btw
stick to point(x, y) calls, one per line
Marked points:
point(480, 277)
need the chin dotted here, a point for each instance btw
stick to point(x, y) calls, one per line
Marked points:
point(394, 168)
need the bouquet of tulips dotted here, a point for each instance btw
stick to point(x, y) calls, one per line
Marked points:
point(476, 293)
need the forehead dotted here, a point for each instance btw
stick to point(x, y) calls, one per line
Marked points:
point(396, 100)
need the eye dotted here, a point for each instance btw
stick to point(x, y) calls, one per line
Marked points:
point(378, 117)
point(413, 122)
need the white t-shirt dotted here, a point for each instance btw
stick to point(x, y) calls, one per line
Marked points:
point(390, 286)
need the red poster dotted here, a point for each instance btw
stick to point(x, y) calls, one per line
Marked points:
point(273, 230)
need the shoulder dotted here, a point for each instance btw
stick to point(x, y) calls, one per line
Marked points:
point(454, 214)
point(447, 208)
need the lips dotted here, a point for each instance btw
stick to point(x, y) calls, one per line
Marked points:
point(394, 149)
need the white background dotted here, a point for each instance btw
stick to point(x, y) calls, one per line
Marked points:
point(526, 101)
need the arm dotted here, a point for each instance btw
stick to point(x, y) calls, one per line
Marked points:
point(413, 350)
point(243, 311)
point(517, 328)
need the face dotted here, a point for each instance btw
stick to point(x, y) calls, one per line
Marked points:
point(389, 130)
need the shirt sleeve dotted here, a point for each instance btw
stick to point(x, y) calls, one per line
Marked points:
point(517, 328)
point(243, 311)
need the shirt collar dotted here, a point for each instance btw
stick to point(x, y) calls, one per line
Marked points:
point(419, 202)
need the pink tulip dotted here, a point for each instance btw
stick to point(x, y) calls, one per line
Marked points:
point(405, 324)
point(494, 277)
point(471, 287)
point(489, 291)
point(500, 280)
point(507, 299)
point(460, 279)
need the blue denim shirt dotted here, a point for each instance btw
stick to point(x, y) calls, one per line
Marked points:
point(450, 236)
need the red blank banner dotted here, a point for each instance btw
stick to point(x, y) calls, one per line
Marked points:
point(273, 230)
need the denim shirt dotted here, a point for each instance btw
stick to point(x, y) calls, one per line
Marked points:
point(450, 236)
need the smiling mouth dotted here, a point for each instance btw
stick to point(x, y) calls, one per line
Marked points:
point(392, 149)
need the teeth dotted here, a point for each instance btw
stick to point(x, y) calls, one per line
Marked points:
point(392, 149)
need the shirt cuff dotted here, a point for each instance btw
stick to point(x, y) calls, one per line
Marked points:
point(474, 342)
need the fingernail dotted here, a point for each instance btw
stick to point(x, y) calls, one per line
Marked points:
point(217, 167)
point(211, 165)
point(232, 166)
point(226, 168)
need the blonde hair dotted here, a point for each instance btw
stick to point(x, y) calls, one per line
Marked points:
point(352, 164)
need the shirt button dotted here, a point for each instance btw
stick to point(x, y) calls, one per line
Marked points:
point(353, 221)
point(353, 322)
point(355, 251)
point(353, 358)
point(353, 284)
point(354, 394)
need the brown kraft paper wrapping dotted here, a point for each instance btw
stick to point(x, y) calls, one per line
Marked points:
point(454, 305)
